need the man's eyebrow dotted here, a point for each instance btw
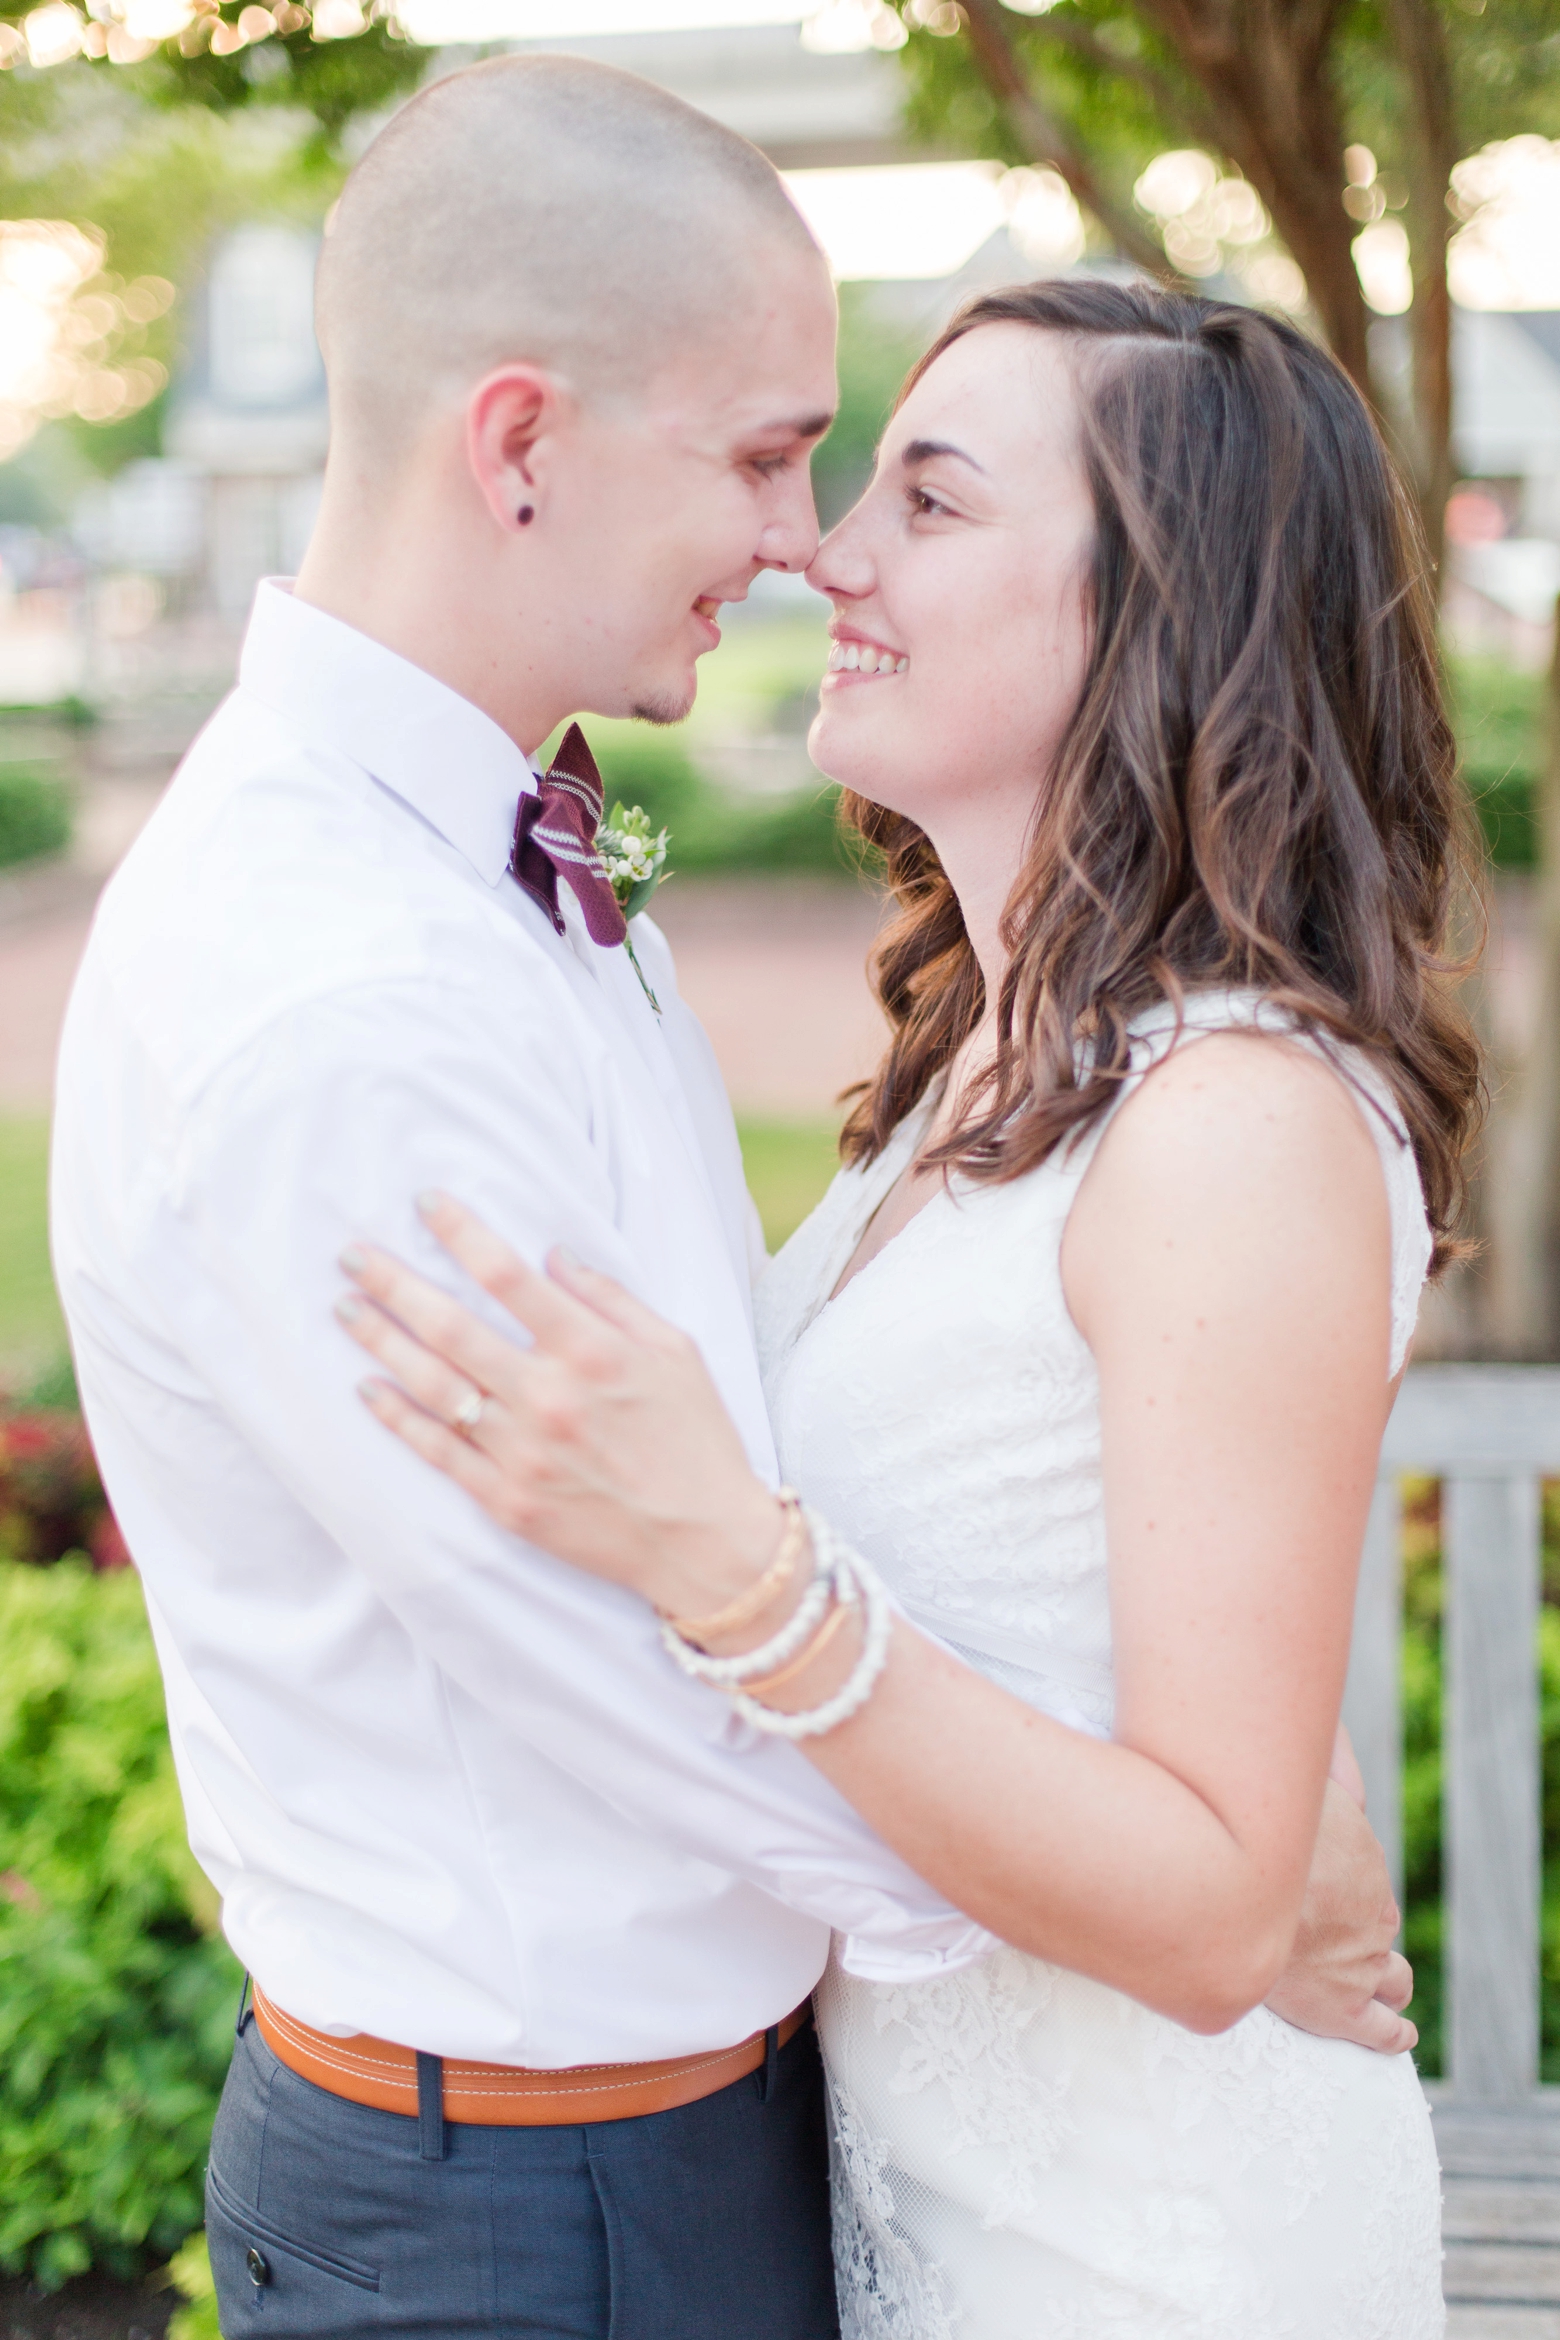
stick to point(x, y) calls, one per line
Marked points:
point(922, 451)
point(812, 426)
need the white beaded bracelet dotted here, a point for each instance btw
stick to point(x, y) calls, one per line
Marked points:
point(728, 1673)
point(854, 1581)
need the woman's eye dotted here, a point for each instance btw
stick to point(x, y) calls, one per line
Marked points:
point(926, 505)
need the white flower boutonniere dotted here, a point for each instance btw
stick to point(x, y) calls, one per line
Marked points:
point(635, 863)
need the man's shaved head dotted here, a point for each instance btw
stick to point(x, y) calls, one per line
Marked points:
point(541, 209)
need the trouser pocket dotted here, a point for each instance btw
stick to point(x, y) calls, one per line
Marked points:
point(281, 2283)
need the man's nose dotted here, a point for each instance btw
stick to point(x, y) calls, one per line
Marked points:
point(790, 537)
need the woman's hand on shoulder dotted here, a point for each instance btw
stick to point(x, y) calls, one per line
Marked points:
point(604, 1440)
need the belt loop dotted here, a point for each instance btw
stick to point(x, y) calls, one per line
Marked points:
point(430, 2106)
point(766, 2085)
point(243, 2010)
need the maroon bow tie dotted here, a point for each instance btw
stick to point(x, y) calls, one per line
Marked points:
point(555, 837)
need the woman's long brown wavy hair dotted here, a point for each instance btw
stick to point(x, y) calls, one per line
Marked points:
point(1258, 788)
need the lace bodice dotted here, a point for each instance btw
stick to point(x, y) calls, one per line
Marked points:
point(944, 1410)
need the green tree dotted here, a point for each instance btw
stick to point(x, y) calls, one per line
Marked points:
point(279, 59)
point(1279, 91)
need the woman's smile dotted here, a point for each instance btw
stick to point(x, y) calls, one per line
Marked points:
point(857, 658)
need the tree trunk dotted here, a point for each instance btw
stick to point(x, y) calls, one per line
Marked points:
point(1420, 41)
point(1264, 68)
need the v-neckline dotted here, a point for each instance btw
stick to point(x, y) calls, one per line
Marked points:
point(896, 1157)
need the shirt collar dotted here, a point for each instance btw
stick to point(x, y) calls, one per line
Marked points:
point(423, 741)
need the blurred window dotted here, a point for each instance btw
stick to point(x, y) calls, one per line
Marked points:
point(263, 351)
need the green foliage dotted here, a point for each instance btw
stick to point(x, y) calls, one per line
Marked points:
point(1421, 1683)
point(189, 2271)
point(34, 815)
point(1109, 111)
point(32, 1331)
point(116, 1996)
point(875, 354)
point(1130, 97)
point(87, 143)
point(788, 1166)
point(1499, 715)
point(1505, 60)
point(330, 80)
point(711, 828)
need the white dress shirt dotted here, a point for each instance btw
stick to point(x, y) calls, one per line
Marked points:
point(451, 1792)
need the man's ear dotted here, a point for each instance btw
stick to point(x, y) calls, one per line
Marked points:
point(509, 417)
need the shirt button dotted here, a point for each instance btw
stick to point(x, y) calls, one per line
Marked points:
point(259, 2267)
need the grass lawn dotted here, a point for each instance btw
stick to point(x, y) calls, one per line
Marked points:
point(32, 1333)
point(789, 1163)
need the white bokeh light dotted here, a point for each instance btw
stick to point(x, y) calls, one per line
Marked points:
point(1214, 223)
point(1042, 217)
point(840, 27)
point(900, 219)
point(1507, 254)
point(59, 330)
point(436, 21)
point(1382, 262)
point(53, 34)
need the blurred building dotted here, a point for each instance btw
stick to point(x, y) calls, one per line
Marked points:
point(1503, 526)
point(249, 420)
point(233, 497)
point(806, 109)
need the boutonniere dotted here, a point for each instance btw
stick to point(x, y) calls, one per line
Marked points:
point(635, 862)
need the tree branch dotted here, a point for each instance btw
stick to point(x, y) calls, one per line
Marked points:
point(1262, 65)
point(1045, 141)
point(1186, 110)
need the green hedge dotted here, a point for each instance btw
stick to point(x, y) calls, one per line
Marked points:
point(34, 815)
point(1499, 716)
point(116, 1994)
point(711, 828)
point(1498, 713)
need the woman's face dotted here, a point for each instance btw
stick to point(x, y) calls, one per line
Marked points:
point(959, 634)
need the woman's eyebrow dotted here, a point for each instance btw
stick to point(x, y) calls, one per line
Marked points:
point(922, 451)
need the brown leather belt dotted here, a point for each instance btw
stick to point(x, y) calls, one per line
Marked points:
point(376, 2072)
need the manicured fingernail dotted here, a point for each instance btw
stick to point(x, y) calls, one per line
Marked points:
point(372, 1393)
point(430, 1202)
point(566, 1259)
point(349, 1307)
point(354, 1260)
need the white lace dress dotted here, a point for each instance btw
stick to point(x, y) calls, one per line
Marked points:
point(1022, 2154)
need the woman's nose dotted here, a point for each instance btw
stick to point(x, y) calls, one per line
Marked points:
point(843, 563)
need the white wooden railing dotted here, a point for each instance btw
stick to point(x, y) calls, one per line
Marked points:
point(1490, 1433)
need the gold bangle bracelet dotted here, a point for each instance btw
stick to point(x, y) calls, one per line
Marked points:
point(758, 1596)
point(815, 1648)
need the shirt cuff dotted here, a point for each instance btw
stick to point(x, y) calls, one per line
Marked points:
point(951, 1947)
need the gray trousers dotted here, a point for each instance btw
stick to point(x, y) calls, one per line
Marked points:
point(707, 2223)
